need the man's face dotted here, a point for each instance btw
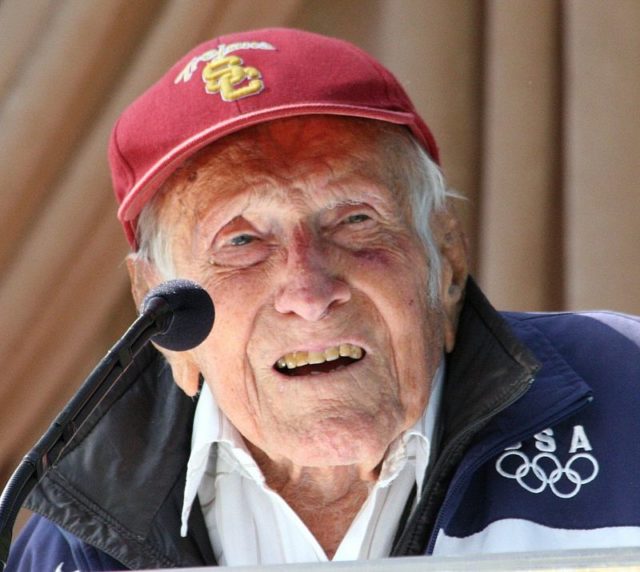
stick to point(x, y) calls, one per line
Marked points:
point(301, 232)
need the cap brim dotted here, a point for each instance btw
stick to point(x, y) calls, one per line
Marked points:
point(147, 186)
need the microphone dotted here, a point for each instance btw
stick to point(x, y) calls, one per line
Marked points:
point(183, 313)
point(177, 315)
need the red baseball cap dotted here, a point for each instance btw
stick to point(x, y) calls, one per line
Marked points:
point(239, 80)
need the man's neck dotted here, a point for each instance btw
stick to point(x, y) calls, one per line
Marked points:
point(327, 499)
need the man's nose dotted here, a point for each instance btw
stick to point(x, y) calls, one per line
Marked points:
point(310, 288)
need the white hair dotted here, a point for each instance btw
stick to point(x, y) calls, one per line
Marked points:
point(428, 193)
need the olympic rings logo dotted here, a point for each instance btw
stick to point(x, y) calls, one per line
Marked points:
point(542, 478)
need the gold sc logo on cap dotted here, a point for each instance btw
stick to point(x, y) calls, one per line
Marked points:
point(226, 74)
point(228, 77)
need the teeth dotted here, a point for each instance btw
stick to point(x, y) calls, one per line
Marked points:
point(297, 359)
point(348, 350)
point(332, 354)
point(290, 360)
point(356, 352)
point(301, 359)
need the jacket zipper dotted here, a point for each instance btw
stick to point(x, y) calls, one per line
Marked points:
point(400, 545)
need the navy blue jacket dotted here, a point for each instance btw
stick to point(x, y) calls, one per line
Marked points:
point(536, 450)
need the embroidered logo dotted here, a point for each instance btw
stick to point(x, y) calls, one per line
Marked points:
point(545, 468)
point(226, 74)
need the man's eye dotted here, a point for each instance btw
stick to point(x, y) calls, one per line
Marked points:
point(241, 240)
point(356, 218)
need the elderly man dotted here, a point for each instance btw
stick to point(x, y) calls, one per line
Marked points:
point(358, 397)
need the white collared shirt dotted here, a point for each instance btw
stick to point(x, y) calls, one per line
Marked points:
point(250, 524)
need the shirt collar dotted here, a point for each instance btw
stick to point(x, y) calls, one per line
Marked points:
point(415, 443)
point(211, 425)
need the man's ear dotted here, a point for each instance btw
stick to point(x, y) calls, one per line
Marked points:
point(144, 276)
point(452, 244)
point(186, 372)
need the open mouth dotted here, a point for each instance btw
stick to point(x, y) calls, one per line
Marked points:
point(314, 363)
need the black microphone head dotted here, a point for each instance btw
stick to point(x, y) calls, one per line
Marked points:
point(190, 311)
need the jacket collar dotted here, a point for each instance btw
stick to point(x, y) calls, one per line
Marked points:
point(119, 483)
point(506, 382)
point(488, 370)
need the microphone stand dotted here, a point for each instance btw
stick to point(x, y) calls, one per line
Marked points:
point(156, 318)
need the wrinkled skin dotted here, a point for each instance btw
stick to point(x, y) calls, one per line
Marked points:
point(301, 231)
